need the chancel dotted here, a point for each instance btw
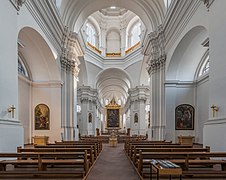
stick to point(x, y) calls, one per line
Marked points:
point(98, 89)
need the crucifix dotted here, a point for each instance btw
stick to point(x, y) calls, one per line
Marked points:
point(12, 109)
point(214, 109)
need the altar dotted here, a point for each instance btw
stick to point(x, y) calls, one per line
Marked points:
point(113, 140)
point(41, 140)
point(186, 139)
point(115, 129)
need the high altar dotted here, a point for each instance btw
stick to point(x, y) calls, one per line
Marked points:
point(113, 118)
point(113, 121)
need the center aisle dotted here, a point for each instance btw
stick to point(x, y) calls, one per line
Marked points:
point(113, 164)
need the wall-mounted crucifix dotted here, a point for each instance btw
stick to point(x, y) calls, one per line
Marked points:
point(214, 109)
point(11, 109)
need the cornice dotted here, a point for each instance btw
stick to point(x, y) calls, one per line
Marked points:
point(139, 93)
point(179, 84)
point(47, 84)
point(47, 17)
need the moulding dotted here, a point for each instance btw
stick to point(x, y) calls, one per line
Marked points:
point(215, 121)
point(47, 17)
point(179, 84)
point(47, 84)
point(177, 18)
point(10, 122)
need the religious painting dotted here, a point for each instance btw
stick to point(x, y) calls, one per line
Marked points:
point(112, 117)
point(90, 118)
point(136, 118)
point(42, 117)
point(184, 117)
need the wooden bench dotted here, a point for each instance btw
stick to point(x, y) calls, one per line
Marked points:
point(58, 146)
point(90, 153)
point(184, 159)
point(43, 174)
point(77, 158)
point(97, 143)
point(137, 150)
point(128, 144)
point(134, 146)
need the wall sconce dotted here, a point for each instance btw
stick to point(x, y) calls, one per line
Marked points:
point(11, 109)
point(214, 109)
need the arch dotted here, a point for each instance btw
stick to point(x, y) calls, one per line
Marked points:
point(38, 56)
point(75, 12)
point(113, 82)
point(187, 55)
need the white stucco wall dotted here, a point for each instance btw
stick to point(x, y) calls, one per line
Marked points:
point(24, 108)
point(174, 97)
point(11, 131)
point(202, 109)
point(51, 97)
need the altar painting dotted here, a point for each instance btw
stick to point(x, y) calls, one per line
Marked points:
point(42, 117)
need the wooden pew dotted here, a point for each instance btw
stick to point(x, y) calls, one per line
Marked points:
point(133, 146)
point(184, 159)
point(43, 159)
point(129, 145)
point(97, 144)
point(65, 146)
point(135, 155)
point(89, 150)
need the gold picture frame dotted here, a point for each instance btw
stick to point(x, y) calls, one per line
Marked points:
point(42, 117)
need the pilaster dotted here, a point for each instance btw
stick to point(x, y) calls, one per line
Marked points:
point(89, 105)
point(155, 49)
point(71, 51)
point(138, 99)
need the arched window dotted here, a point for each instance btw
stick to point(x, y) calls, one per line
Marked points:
point(167, 3)
point(205, 67)
point(58, 3)
point(135, 34)
point(113, 42)
point(91, 34)
point(22, 68)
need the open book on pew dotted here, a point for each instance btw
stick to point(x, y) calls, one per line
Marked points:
point(164, 164)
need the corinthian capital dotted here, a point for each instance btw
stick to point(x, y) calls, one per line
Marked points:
point(71, 50)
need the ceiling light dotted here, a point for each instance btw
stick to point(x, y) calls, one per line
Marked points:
point(113, 7)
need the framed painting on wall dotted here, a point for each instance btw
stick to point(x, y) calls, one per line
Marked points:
point(184, 117)
point(42, 117)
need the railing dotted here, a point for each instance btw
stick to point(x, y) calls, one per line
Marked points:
point(113, 54)
point(132, 48)
point(94, 48)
